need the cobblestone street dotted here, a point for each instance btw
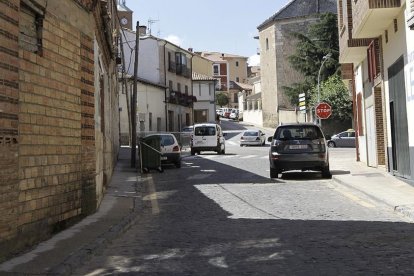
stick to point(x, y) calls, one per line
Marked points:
point(249, 225)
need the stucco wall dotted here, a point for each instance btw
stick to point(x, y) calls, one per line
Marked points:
point(202, 66)
point(268, 74)
point(409, 73)
point(276, 70)
point(393, 49)
point(204, 91)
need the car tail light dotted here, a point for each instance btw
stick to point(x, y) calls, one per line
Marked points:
point(176, 148)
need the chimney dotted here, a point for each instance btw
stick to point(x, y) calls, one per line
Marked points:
point(142, 30)
point(190, 50)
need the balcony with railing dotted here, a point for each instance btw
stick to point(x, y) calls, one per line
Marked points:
point(372, 17)
point(352, 50)
point(182, 99)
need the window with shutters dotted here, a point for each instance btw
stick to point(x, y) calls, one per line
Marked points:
point(373, 60)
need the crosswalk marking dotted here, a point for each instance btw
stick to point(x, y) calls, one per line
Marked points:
point(228, 156)
point(232, 143)
point(248, 156)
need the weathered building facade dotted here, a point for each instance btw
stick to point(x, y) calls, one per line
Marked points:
point(276, 45)
point(228, 68)
point(58, 115)
point(377, 58)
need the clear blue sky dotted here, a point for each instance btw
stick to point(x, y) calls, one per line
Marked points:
point(207, 25)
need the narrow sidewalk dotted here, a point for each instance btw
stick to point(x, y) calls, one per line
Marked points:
point(68, 249)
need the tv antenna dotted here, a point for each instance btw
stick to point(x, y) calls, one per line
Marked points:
point(150, 22)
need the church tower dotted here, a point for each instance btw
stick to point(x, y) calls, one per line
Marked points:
point(125, 15)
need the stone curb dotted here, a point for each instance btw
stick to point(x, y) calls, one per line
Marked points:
point(405, 210)
point(85, 253)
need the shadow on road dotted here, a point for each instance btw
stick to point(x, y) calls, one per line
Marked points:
point(193, 235)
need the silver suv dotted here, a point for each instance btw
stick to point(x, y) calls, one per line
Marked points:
point(300, 146)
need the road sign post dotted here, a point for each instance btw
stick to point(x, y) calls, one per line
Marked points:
point(323, 110)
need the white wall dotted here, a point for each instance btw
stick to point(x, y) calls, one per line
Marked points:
point(359, 80)
point(409, 75)
point(148, 58)
point(395, 48)
point(150, 99)
point(253, 117)
point(204, 92)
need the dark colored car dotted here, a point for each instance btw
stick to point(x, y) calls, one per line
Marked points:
point(300, 146)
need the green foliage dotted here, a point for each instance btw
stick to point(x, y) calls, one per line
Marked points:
point(321, 39)
point(334, 92)
point(221, 99)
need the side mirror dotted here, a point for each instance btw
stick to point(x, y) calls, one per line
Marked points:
point(269, 139)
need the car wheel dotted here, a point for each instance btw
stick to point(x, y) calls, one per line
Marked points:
point(331, 144)
point(274, 173)
point(178, 164)
point(326, 173)
point(192, 152)
point(223, 151)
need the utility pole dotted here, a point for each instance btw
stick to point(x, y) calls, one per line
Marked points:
point(125, 86)
point(134, 103)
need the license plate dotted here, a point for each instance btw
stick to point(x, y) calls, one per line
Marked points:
point(163, 157)
point(298, 146)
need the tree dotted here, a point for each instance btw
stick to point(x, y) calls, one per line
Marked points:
point(221, 99)
point(321, 39)
point(334, 92)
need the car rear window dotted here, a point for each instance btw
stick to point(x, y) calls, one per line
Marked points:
point(251, 133)
point(167, 140)
point(205, 131)
point(298, 133)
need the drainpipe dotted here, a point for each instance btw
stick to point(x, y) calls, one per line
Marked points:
point(165, 90)
point(192, 91)
point(356, 119)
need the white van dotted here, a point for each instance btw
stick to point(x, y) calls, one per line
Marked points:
point(208, 137)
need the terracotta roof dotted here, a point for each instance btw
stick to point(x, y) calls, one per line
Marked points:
point(244, 86)
point(216, 56)
point(254, 96)
point(301, 8)
point(201, 77)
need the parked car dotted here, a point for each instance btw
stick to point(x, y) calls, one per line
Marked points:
point(300, 146)
point(253, 138)
point(226, 112)
point(188, 129)
point(170, 149)
point(343, 139)
point(234, 114)
point(208, 137)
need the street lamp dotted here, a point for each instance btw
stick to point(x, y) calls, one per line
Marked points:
point(324, 59)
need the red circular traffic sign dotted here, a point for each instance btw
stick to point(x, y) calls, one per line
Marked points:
point(323, 110)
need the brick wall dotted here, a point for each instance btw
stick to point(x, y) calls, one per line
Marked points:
point(379, 120)
point(46, 145)
point(9, 123)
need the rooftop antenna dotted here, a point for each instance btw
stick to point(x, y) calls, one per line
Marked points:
point(150, 22)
